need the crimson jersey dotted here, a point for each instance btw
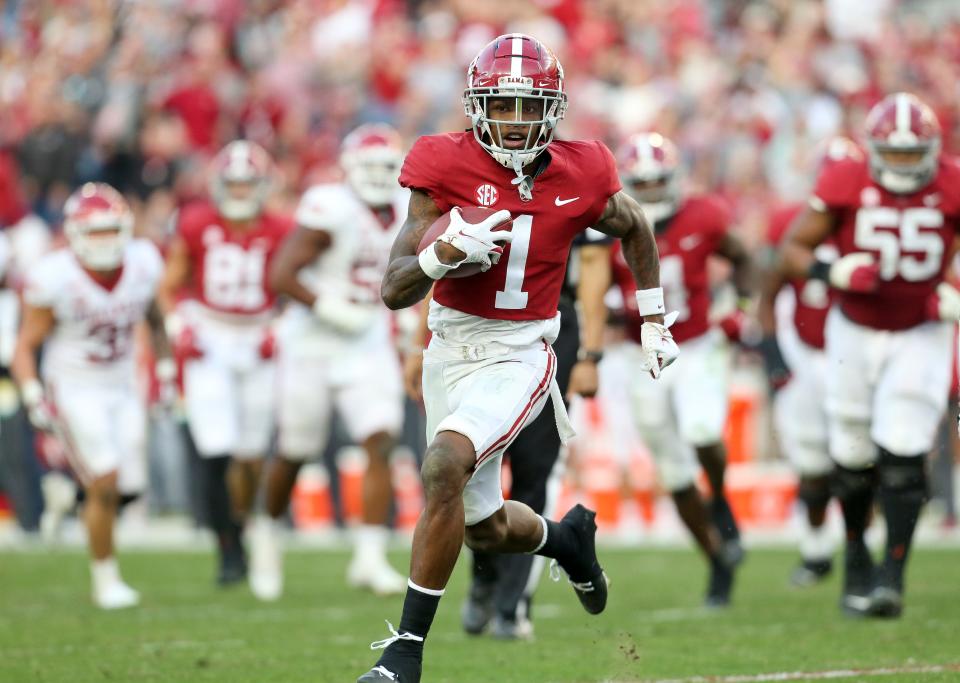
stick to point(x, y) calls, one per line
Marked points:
point(911, 236)
point(813, 297)
point(230, 266)
point(685, 245)
point(568, 197)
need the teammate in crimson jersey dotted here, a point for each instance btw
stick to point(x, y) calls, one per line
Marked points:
point(218, 314)
point(681, 418)
point(83, 305)
point(793, 316)
point(894, 218)
point(489, 367)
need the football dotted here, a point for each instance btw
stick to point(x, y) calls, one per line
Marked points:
point(471, 214)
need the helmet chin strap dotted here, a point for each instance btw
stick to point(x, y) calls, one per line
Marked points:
point(523, 181)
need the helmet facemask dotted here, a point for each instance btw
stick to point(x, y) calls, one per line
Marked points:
point(536, 113)
point(658, 194)
point(915, 170)
point(373, 173)
point(99, 240)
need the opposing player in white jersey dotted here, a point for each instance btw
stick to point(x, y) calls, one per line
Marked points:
point(83, 305)
point(335, 348)
point(219, 310)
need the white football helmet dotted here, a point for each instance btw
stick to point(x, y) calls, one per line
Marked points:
point(98, 224)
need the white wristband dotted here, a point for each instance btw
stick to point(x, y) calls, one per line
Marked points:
point(650, 301)
point(173, 325)
point(31, 393)
point(165, 370)
point(431, 265)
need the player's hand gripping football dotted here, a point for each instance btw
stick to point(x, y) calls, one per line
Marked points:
point(658, 345)
point(478, 242)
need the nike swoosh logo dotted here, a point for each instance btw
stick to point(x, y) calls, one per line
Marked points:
point(561, 202)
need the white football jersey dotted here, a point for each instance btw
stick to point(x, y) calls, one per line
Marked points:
point(94, 333)
point(352, 266)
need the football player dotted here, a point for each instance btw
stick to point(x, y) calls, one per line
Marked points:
point(83, 304)
point(792, 316)
point(218, 311)
point(893, 216)
point(336, 349)
point(681, 418)
point(489, 367)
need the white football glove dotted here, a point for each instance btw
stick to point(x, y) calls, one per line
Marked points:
point(944, 304)
point(478, 240)
point(38, 410)
point(658, 345)
point(343, 315)
point(856, 272)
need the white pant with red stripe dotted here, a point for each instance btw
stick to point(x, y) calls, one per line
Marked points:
point(102, 428)
point(487, 393)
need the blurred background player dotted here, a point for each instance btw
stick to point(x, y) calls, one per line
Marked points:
point(218, 312)
point(336, 349)
point(894, 218)
point(489, 368)
point(681, 417)
point(792, 316)
point(83, 304)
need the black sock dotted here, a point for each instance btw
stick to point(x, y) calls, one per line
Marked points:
point(854, 489)
point(559, 543)
point(903, 488)
point(419, 608)
point(218, 504)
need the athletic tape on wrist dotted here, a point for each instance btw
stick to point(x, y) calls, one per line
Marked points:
point(650, 301)
point(431, 265)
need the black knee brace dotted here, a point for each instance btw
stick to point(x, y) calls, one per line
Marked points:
point(845, 482)
point(815, 491)
point(902, 475)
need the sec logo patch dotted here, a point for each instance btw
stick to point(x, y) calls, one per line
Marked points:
point(487, 195)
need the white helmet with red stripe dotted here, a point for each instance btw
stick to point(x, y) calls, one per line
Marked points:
point(650, 172)
point(903, 141)
point(240, 180)
point(98, 224)
point(371, 156)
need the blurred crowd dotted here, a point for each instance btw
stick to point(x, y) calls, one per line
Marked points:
point(141, 93)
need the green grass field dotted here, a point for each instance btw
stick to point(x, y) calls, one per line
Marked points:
point(653, 629)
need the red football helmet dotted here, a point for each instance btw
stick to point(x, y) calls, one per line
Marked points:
point(240, 180)
point(371, 157)
point(521, 68)
point(98, 225)
point(650, 172)
point(901, 124)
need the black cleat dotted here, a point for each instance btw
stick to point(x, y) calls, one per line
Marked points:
point(721, 584)
point(886, 602)
point(401, 662)
point(722, 517)
point(858, 581)
point(381, 674)
point(810, 572)
point(232, 571)
point(477, 610)
point(588, 579)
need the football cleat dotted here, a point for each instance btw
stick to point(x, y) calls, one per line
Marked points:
point(402, 660)
point(810, 572)
point(722, 516)
point(116, 595)
point(375, 575)
point(503, 628)
point(857, 581)
point(720, 585)
point(886, 602)
point(233, 566)
point(583, 570)
point(477, 610)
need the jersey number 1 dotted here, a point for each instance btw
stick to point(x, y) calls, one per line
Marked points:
point(512, 296)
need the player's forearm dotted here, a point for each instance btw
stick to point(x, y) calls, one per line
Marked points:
point(23, 364)
point(593, 285)
point(405, 283)
point(288, 284)
point(640, 253)
point(743, 276)
point(772, 282)
point(795, 260)
point(158, 334)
